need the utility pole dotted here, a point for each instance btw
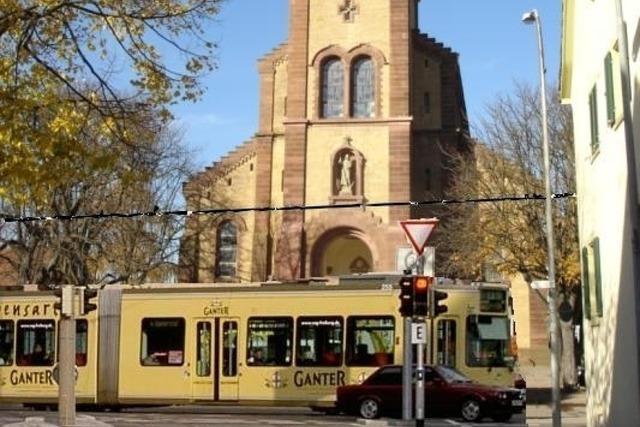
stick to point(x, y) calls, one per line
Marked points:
point(67, 357)
point(554, 330)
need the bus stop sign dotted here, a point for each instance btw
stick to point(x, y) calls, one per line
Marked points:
point(418, 232)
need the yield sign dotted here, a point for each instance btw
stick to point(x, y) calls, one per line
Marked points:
point(418, 232)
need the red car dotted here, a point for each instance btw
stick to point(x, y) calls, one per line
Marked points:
point(448, 393)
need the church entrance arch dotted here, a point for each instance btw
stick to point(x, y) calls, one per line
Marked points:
point(341, 251)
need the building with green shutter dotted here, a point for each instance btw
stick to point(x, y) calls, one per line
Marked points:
point(592, 70)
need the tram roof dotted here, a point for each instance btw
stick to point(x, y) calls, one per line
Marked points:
point(365, 281)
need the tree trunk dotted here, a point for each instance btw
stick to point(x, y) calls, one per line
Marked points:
point(568, 359)
point(569, 374)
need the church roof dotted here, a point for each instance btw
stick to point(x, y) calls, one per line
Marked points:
point(431, 44)
point(272, 57)
point(222, 167)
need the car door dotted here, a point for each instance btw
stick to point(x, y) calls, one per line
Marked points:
point(437, 393)
point(386, 385)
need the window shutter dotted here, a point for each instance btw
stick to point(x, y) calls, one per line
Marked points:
point(596, 261)
point(593, 109)
point(608, 74)
point(585, 284)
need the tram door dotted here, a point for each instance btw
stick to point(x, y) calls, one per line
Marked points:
point(227, 357)
point(214, 365)
point(202, 378)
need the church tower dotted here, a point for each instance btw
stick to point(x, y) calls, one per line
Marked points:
point(357, 107)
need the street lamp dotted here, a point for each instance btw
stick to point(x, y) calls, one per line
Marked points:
point(533, 17)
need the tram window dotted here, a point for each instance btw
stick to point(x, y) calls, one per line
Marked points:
point(487, 341)
point(319, 341)
point(81, 342)
point(493, 300)
point(162, 342)
point(6, 342)
point(82, 335)
point(269, 341)
point(36, 342)
point(370, 341)
point(230, 349)
point(446, 351)
point(203, 362)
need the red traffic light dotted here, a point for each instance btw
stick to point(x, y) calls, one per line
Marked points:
point(421, 285)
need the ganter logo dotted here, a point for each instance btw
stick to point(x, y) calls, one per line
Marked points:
point(216, 308)
point(31, 377)
point(318, 379)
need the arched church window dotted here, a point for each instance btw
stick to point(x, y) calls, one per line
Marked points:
point(332, 88)
point(362, 93)
point(226, 249)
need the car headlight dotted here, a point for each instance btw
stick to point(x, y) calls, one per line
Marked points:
point(502, 395)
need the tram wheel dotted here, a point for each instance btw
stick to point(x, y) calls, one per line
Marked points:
point(40, 407)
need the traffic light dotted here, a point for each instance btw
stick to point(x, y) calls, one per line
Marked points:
point(421, 286)
point(64, 304)
point(406, 296)
point(436, 308)
point(86, 294)
point(59, 301)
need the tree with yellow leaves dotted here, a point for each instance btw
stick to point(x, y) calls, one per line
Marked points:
point(509, 237)
point(134, 177)
point(63, 60)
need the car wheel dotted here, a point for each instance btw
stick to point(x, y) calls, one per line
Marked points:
point(470, 410)
point(369, 408)
point(502, 418)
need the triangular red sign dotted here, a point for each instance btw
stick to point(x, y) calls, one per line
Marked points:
point(418, 232)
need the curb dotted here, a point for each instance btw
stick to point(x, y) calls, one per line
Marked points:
point(81, 421)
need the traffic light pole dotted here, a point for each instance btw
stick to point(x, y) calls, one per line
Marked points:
point(420, 399)
point(66, 364)
point(407, 364)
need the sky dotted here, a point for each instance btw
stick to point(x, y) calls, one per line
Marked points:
point(496, 49)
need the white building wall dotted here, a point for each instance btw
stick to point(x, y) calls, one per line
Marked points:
point(613, 393)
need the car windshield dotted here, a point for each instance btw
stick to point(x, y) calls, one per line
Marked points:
point(451, 376)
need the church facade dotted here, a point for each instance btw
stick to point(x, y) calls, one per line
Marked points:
point(356, 107)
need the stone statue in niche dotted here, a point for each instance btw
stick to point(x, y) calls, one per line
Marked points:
point(345, 185)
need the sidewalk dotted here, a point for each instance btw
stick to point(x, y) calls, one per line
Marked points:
point(573, 407)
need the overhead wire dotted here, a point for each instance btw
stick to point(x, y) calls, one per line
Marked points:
point(156, 212)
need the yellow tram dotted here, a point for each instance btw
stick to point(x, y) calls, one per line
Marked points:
point(259, 343)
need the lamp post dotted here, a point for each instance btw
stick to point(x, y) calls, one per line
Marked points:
point(533, 17)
